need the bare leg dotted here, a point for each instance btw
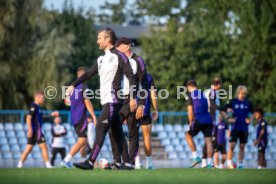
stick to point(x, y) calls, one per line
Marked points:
point(44, 151)
point(146, 129)
point(26, 152)
point(191, 142)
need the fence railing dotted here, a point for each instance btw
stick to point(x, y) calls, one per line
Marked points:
point(164, 117)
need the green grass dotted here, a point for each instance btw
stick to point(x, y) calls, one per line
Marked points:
point(71, 176)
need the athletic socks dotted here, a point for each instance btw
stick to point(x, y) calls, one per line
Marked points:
point(137, 162)
point(194, 154)
point(68, 158)
point(209, 161)
point(48, 164)
point(148, 162)
point(203, 162)
point(20, 164)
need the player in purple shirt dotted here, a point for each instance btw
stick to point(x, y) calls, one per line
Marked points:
point(220, 145)
point(199, 120)
point(79, 107)
point(240, 110)
point(35, 135)
point(261, 137)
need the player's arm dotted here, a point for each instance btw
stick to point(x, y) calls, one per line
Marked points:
point(90, 109)
point(142, 78)
point(29, 121)
point(87, 75)
point(229, 112)
point(261, 134)
point(29, 124)
point(190, 114)
point(49, 117)
point(54, 134)
point(64, 132)
point(153, 95)
point(127, 70)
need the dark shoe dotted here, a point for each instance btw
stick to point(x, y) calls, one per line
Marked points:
point(115, 166)
point(86, 165)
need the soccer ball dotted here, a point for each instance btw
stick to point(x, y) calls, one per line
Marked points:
point(103, 163)
point(67, 100)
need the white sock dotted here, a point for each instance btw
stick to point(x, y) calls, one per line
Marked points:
point(194, 154)
point(68, 158)
point(137, 162)
point(20, 164)
point(229, 162)
point(48, 164)
point(203, 162)
point(209, 161)
point(148, 162)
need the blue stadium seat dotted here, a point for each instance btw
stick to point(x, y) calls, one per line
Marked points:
point(175, 141)
point(18, 126)
point(5, 148)
point(172, 156)
point(47, 126)
point(169, 148)
point(25, 127)
point(16, 155)
point(36, 148)
point(12, 141)
point(159, 128)
point(178, 128)
point(10, 134)
point(8, 126)
point(1, 126)
point(105, 154)
point(269, 129)
point(20, 134)
point(15, 148)
point(22, 141)
point(165, 142)
point(71, 141)
point(104, 148)
point(2, 133)
point(171, 134)
point(7, 155)
point(69, 134)
point(36, 155)
point(251, 128)
point(179, 148)
point(183, 156)
point(3, 140)
point(67, 126)
point(186, 127)
point(181, 135)
point(168, 128)
point(162, 135)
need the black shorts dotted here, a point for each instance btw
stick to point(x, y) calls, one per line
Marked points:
point(146, 120)
point(220, 148)
point(81, 129)
point(36, 138)
point(196, 127)
point(235, 135)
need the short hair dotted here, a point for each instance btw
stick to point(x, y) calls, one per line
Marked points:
point(38, 92)
point(241, 88)
point(216, 81)
point(81, 68)
point(109, 33)
point(259, 110)
point(191, 83)
point(125, 41)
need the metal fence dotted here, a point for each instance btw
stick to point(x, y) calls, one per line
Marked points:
point(164, 117)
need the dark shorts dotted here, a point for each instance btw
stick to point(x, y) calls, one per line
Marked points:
point(196, 127)
point(220, 148)
point(146, 120)
point(262, 146)
point(81, 129)
point(36, 138)
point(235, 135)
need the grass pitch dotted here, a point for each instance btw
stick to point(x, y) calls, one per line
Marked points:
point(157, 176)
